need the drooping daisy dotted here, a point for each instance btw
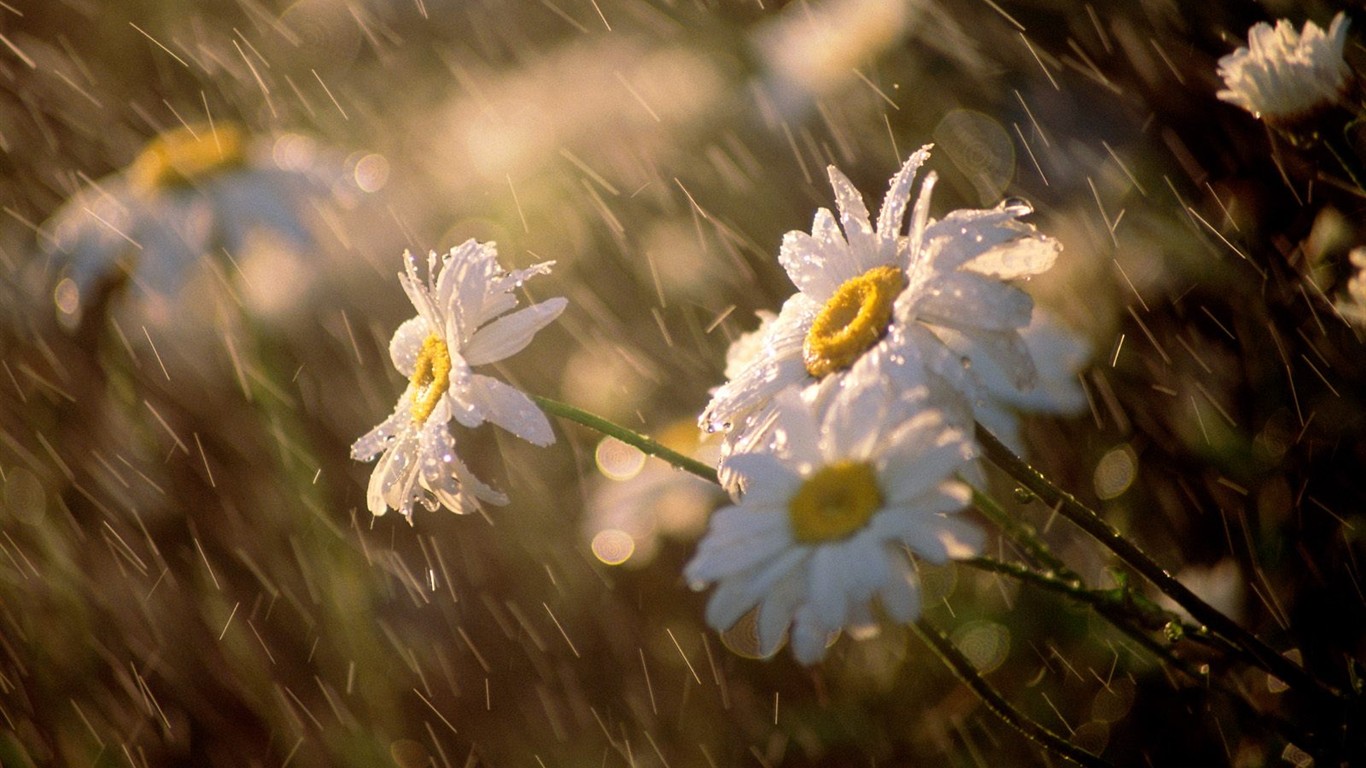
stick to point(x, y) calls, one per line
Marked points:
point(192, 193)
point(876, 303)
point(1284, 76)
point(462, 321)
point(819, 537)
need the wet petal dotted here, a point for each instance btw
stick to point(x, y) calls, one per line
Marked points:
point(510, 334)
point(511, 409)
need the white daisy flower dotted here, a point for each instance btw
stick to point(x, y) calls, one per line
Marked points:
point(462, 321)
point(821, 532)
point(1284, 76)
point(874, 303)
point(193, 192)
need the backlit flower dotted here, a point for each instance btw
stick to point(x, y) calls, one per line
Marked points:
point(1282, 75)
point(462, 321)
point(820, 535)
point(875, 303)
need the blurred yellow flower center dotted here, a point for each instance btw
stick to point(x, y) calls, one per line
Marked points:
point(431, 377)
point(835, 502)
point(852, 320)
point(184, 155)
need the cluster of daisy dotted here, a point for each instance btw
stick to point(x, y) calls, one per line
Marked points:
point(846, 422)
point(848, 416)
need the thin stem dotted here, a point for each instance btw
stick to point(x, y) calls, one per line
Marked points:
point(646, 445)
point(1119, 606)
point(967, 673)
point(1257, 651)
point(1023, 535)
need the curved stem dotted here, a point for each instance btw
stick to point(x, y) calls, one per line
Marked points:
point(644, 444)
point(947, 652)
point(1258, 652)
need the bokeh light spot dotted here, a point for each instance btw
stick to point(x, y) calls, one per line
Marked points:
point(742, 639)
point(24, 496)
point(981, 149)
point(68, 299)
point(294, 152)
point(1115, 472)
point(1092, 736)
point(985, 643)
point(618, 460)
point(1112, 702)
point(613, 546)
point(407, 753)
point(372, 172)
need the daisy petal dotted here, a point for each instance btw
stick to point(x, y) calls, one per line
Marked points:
point(893, 213)
point(510, 409)
point(407, 343)
point(510, 334)
point(858, 231)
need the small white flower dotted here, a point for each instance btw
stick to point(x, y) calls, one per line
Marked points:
point(821, 532)
point(1282, 75)
point(873, 303)
point(193, 193)
point(461, 322)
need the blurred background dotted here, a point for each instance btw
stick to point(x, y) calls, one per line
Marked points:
point(188, 573)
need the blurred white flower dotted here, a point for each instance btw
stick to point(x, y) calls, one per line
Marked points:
point(822, 529)
point(1222, 585)
point(193, 192)
point(461, 322)
point(1282, 75)
point(1059, 355)
point(638, 503)
point(811, 50)
point(874, 304)
point(1353, 305)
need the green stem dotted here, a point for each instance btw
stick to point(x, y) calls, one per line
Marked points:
point(1253, 648)
point(1023, 535)
point(644, 444)
point(1119, 606)
point(947, 652)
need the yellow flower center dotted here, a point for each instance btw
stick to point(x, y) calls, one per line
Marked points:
point(431, 377)
point(835, 502)
point(181, 156)
point(853, 320)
